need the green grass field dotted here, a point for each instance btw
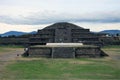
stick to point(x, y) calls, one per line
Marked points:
point(65, 69)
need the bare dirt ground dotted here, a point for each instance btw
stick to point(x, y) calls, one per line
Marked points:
point(12, 54)
point(113, 53)
point(9, 56)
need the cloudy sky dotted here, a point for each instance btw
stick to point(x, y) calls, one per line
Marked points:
point(31, 15)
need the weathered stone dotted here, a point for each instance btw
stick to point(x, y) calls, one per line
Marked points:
point(62, 39)
point(39, 52)
point(64, 33)
point(65, 51)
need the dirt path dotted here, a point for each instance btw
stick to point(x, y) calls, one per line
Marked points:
point(113, 53)
point(9, 56)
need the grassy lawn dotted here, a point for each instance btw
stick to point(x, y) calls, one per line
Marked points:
point(65, 69)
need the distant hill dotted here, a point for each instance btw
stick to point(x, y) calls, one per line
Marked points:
point(111, 31)
point(16, 33)
point(33, 32)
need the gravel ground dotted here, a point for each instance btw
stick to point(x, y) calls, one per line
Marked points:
point(9, 57)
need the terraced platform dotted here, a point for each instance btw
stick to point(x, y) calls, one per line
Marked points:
point(65, 51)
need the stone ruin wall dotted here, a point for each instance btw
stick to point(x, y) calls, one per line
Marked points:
point(64, 52)
point(39, 52)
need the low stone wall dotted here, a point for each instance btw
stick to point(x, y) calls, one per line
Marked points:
point(39, 52)
point(65, 52)
point(64, 44)
point(88, 52)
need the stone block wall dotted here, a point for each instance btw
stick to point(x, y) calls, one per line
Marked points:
point(87, 52)
point(39, 52)
point(65, 52)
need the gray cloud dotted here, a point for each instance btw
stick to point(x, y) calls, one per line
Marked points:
point(52, 17)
